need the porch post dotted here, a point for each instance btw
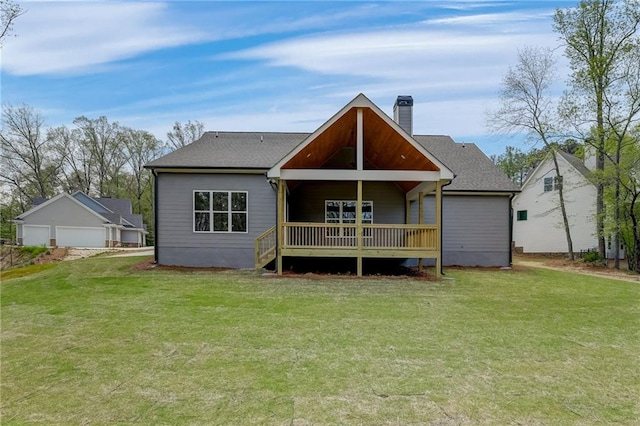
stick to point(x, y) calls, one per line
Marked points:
point(359, 232)
point(438, 227)
point(420, 221)
point(280, 224)
point(407, 212)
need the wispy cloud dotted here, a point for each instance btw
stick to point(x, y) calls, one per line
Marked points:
point(439, 57)
point(58, 38)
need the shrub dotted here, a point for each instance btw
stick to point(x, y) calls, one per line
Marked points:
point(33, 251)
point(593, 257)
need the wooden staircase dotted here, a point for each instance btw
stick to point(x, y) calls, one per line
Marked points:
point(265, 247)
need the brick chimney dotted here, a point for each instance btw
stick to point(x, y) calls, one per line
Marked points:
point(403, 113)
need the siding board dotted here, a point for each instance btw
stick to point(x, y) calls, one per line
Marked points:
point(179, 245)
point(475, 229)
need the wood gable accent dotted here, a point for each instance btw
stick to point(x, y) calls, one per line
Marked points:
point(361, 142)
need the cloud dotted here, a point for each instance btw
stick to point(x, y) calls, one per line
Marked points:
point(70, 38)
point(513, 18)
point(438, 58)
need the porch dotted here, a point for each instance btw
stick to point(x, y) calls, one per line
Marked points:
point(358, 240)
point(358, 165)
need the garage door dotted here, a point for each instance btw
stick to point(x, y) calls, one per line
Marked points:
point(35, 235)
point(70, 236)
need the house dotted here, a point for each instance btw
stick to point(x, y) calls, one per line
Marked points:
point(537, 224)
point(78, 220)
point(361, 186)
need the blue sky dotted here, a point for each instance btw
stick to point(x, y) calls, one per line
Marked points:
point(270, 66)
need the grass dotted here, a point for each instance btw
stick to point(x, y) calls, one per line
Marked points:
point(93, 341)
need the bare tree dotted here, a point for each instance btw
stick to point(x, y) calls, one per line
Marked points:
point(100, 139)
point(527, 105)
point(9, 12)
point(140, 147)
point(184, 134)
point(77, 165)
point(29, 164)
point(600, 36)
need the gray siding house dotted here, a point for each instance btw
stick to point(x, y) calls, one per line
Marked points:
point(361, 186)
point(78, 220)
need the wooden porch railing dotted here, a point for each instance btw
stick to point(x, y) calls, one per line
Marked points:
point(339, 237)
point(265, 247)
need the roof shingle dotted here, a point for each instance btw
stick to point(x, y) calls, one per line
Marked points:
point(254, 150)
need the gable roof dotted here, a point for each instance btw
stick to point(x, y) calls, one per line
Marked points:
point(576, 163)
point(119, 213)
point(474, 171)
point(386, 130)
point(50, 201)
point(573, 161)
point(261, 151)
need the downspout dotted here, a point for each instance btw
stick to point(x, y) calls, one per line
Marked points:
point(442, 226)
point(155, 216)
point(513, 194)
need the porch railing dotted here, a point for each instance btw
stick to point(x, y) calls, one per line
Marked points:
point(265, 246)
point(374, 236)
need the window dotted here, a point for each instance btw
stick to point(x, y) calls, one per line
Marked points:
point(219, 211)
point(557, 183)
point(522, 215)
point(552, 183)
point(339, 211)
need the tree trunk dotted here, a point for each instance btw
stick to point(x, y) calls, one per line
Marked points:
point(565, 219)
point(633, 253)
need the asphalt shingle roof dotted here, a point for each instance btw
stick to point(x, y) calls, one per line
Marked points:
point(474, 171)
point(576, 163)
point(254, 150)
point(232, 150)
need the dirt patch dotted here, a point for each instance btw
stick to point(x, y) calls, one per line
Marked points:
point(52, 255)
point(577, 266)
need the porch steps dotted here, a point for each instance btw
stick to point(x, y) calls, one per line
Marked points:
point(265, 246)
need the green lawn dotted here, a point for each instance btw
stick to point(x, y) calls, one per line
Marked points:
point(93, 341)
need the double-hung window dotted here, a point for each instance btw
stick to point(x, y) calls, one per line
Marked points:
point(552, 183)
point(344, 212)
point(220, 211)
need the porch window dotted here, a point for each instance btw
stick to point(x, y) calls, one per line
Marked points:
point(220, 211)
point(344, 212)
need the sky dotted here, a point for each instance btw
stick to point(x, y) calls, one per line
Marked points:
point(271, 66)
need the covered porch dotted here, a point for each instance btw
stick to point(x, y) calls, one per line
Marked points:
point(349, 191)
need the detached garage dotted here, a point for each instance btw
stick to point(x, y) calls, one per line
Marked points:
point(79, 220)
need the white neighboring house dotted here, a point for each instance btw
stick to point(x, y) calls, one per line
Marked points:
point(537, 219)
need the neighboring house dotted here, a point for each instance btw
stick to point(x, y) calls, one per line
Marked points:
point(361, 186)
point(79, 220)
point(537, 223)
